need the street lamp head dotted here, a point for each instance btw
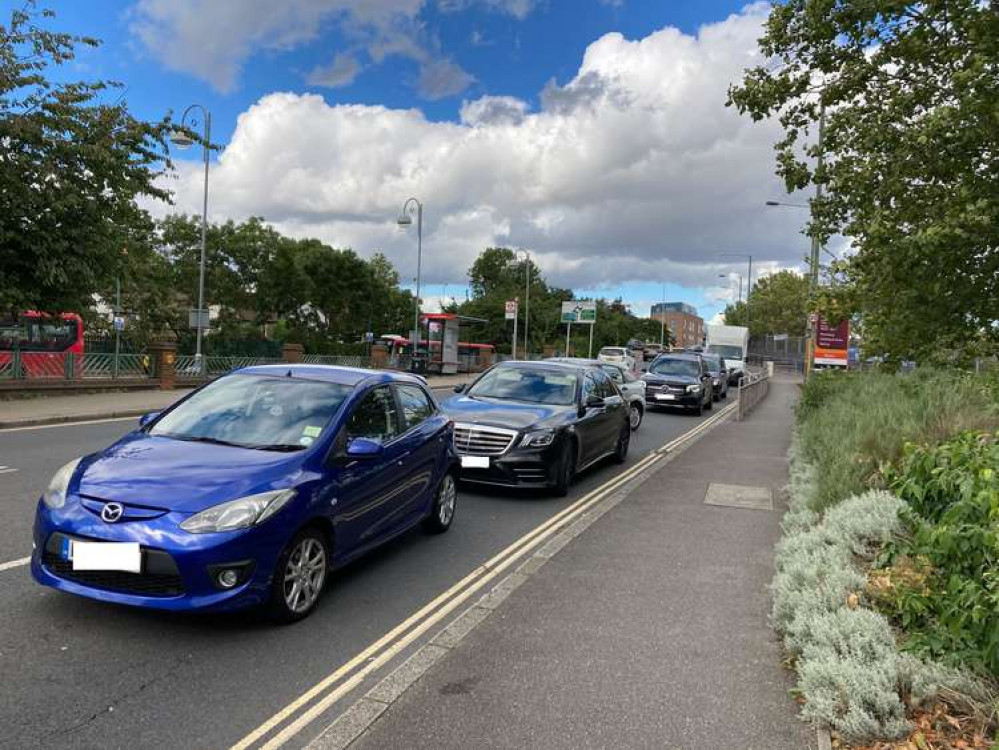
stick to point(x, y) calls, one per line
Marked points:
point(181, 139)
point(404, 220)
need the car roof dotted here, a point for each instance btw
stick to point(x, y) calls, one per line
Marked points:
point(333, 374)
point(690, 356)
point(583, 361)
point(555, 365)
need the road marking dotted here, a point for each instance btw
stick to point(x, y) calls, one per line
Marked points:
point(14, 563)
point(67, 424)
point(403, 634)
point(6, 470)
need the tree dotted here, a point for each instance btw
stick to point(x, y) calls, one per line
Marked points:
point(71, 167)
point(909, 98)
point(777, 304)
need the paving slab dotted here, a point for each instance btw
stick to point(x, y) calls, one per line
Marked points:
point(649, 630)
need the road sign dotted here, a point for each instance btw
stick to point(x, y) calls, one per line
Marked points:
point(511, 309)
point(193, 319)
point(119, 323)
point(579, 311)
point(780, 337)
point(369, 336)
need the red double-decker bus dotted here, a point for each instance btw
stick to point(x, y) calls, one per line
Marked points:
point(41, 343)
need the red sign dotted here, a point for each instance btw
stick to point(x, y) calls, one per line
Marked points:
point(832, 342)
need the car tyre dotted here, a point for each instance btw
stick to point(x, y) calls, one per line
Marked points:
point(635, 414)
point(623, 442)
point(566, 468)
point(305, 562)
point(445, 502)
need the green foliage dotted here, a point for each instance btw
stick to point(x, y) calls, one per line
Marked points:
point(777, 304)
point(949, 606)
point(499, 275)
point(74, 161)
point(853, 425)
point(911, 147)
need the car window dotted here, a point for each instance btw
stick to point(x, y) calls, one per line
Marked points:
point(670, 366)
point(526, 383)
point(375, 418)
point(605, 387)
point(416, 407)
point(616, 373)
point(589, 387)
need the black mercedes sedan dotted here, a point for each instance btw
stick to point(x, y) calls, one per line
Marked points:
point(537, 424)
point(679, 380)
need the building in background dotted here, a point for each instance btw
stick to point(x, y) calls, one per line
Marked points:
point(682, 321)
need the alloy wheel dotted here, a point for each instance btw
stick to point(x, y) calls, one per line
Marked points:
point(304, 575)
point(446, 498)
point(636, 417)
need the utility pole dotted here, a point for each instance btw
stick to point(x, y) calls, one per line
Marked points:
point(813, 284)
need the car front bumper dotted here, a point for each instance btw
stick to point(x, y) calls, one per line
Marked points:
point(678, 400)
point(519, 467)
point(178, 567)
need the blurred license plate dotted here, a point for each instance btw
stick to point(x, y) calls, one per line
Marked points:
point(665, 397)
point(123, 556)
point(475, 462)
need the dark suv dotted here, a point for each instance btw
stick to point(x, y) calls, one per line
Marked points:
point(679, 380)
point(719, 374)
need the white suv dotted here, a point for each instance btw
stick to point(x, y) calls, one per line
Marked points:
point(617, 355)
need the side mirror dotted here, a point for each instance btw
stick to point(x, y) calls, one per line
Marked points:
point(460, 388)
point(148, 417)
point(595, 402)
point(363, 448)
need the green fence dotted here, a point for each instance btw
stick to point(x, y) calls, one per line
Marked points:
point(340, 361)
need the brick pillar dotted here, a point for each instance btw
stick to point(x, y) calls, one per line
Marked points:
point(293, 353)
point(164, 356)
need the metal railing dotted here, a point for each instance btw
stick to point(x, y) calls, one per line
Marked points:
point(186, 367)
point(753, 388)
point(18, 365)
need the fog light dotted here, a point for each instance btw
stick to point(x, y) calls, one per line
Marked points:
point(228, 578)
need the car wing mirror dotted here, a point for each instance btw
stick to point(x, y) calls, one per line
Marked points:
point(148, 417)
point(364, 448)
point(460, 388)
point(595, 402)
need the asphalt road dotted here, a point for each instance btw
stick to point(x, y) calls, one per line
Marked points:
point(78, 673)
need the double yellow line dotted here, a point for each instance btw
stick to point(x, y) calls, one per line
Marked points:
point(295, 716)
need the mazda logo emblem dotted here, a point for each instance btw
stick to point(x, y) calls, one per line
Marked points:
point(112, 512)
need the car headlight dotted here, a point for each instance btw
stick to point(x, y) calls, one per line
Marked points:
point(693, 389)
point(716, 381)
point(238, 514)
point(55, 494)
point(538, 439)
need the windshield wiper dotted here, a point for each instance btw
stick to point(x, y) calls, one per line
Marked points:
point(280, 447)
point(201, 439)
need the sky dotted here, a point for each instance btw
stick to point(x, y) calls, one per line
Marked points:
point(592, 133)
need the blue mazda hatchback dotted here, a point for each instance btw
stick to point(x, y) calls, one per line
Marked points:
point(249, 491)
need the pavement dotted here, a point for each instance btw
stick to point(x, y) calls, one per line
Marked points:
point(649, 630)
point(45, 409)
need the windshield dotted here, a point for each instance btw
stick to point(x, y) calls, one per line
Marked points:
point(686, 367)
point(255, 411)
point(534, 385)
point(728, 352)
point(610, 351)
point(713, 363)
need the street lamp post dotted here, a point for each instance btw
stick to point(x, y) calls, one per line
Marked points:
point(527, 299)
point(405, 219)
point(662, 322)
point(749, 280)
point(729, 277)
point(181, 139)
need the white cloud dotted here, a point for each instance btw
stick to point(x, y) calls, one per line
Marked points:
point(341, 72)
point(212, 39)
point(632, 171)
